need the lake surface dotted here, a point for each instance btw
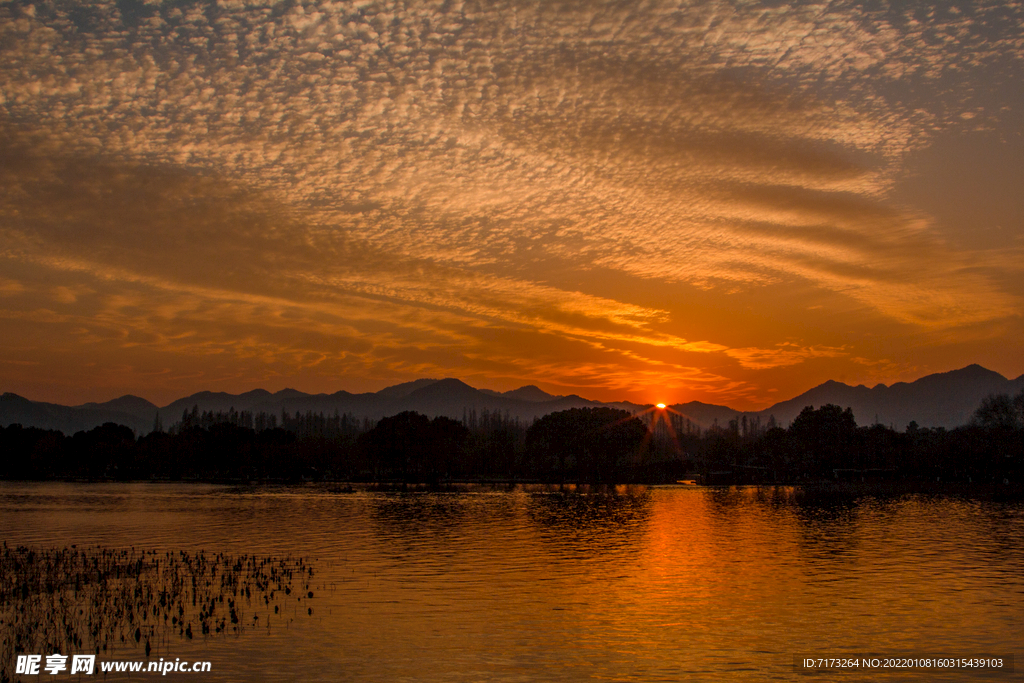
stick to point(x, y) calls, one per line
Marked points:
point(640, 584)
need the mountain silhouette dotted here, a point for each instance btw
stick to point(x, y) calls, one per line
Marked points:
point(133, 405)
point(704, 415)
point(132, 413)
point(530, 393)
point(946, 399)
point(940, 400)
point(404, 389)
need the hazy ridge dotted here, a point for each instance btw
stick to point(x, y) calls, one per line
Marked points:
point(939, 400)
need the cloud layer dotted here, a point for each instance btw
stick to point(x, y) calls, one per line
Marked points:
point(323, 191)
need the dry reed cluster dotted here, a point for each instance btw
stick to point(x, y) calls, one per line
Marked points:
point(97, 600)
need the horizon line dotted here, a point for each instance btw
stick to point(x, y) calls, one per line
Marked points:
point(504, 393)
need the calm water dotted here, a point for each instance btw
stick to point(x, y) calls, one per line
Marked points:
point(643, 585)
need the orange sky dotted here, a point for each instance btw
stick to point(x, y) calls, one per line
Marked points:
point(715, 201)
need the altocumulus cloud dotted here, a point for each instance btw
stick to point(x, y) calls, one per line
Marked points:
point(383, 189)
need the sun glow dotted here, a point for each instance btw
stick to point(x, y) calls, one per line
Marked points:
point(660, 406)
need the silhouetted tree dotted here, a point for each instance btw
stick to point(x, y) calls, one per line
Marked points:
point(106, 451)
point(999, 411)
point(826, 435)
point(590, 443)
point(444, 451)
point(412, 446)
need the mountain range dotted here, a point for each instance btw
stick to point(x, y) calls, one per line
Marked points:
point(939, 400)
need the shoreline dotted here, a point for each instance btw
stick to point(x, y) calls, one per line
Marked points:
point(1011, 490)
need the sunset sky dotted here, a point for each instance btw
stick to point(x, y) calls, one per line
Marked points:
point(649, 200)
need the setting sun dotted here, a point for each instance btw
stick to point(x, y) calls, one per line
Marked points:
point(661, 406)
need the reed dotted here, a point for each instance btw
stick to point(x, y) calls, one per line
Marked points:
point(101, 600)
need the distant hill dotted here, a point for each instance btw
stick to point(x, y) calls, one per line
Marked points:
point(530, 393)
point(946, 399)
point(449, 397)
point(406, 388)
point(133, 405)
point(127, 410)
point(940, 400)
point(706, 414)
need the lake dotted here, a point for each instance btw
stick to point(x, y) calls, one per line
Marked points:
point(541, 584)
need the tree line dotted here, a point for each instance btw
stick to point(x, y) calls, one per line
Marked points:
point(825, 443)
point(577, 445)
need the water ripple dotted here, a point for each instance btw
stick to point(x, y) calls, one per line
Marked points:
point(534, 584)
